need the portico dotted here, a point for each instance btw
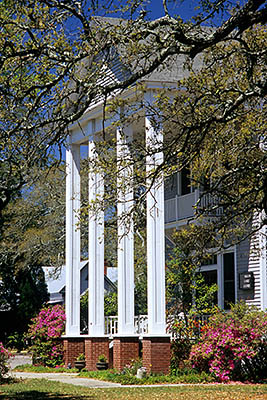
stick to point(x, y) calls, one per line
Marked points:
point(156, 343)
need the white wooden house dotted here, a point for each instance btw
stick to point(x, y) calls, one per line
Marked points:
point(240, 272)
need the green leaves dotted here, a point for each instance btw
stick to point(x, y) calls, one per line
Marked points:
point(187, 292)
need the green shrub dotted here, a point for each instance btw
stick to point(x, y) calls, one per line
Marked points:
point(16, 341)
point(4, 356)
point(189, 376)
point(131, 368)
point(187, 332)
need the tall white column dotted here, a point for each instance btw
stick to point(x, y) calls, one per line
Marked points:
point(72, 241)
point(96, 325)
point(125, 234)
point(263, 263)
point(155, 229)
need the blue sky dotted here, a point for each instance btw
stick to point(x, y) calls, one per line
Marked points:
point(154, 8)
point(184, 9)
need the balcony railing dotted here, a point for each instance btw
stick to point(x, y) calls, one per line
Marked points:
point(180, 207)
point(209, 205)
point(185, 206)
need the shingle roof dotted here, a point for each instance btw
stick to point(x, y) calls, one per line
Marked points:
point(117, 69)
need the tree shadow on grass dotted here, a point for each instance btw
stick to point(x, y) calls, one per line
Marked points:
point(32, 394)
point(36, 395)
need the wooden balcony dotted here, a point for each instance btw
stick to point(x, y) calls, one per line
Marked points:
point(186, 206)
point(180, 207)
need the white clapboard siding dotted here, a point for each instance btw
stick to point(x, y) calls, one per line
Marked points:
point(248, 260)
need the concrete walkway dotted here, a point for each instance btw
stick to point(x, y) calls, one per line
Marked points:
point(72, 379)
point(19, 359)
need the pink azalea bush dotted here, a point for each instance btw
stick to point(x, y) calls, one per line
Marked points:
point(45, 332)
point(233, 345)
point(4, 356)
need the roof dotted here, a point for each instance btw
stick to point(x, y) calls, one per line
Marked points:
point(55, 279)
point(172, 70)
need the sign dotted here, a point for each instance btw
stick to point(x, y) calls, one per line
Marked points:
point(246, 281)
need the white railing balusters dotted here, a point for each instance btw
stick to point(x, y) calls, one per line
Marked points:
point(141, 322)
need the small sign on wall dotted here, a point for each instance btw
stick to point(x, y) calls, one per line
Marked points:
point(246, 281)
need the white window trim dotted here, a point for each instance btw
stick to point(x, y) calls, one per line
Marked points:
point(220, 273)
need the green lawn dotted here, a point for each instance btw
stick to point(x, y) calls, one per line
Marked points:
point(41, 389)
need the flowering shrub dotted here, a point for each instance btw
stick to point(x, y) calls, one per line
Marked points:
point(186, 331)
point(4, 356)
point(233, 345)
point(45, 331)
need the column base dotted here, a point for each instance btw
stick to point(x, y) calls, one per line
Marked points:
point(157, 354)
point(125, 350)
point(94, 347)
point(72, 348)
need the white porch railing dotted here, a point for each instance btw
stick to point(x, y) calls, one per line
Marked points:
point(140, 324)
point(197, 321)
point(111, 325)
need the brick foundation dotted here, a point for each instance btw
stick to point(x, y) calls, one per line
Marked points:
point(72, 348)
point(94, 346)
point(157, 354)
point(125, 350)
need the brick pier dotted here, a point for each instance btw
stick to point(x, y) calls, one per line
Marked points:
point(94, 346)
point(157, 354)
point(156, 351)
point(72, 348)
point(125, 350)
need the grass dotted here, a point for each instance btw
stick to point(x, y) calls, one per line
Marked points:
point(41, 369)
point(15, 351)
point(183, 376)
point(41, 389)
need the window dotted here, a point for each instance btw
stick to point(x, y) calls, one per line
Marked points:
point(210, 277)
point(210, 260)
point(185, 181)
point(170, 186)
point(228, 279)
point(220, 269)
